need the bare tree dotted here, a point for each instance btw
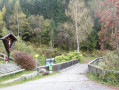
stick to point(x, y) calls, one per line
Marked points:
point(81, 20)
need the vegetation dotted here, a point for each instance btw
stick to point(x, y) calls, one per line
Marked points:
point(50, 23)
point(24, 60)
point(51, 28)
point(12, 76)
point(108, 13)
point(67, 57)
point(110, 80)
point(25, 80)
point(110, 61)
point(81, 19)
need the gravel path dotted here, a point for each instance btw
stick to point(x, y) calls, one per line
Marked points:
point(72, 78)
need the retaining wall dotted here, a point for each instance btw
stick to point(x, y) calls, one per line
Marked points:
point(60, 66)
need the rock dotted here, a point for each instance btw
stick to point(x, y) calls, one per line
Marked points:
point(43, 71)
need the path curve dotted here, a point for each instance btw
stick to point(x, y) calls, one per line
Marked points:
point(72, 78)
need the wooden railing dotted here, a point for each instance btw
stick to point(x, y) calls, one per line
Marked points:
point(7, 69)
point(3, 56)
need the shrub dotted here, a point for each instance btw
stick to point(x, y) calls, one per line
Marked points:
point(24, 60)
point(67, 57)
point(110, 61)
point(49, 52)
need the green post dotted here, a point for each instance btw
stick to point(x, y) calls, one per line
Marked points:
point(50, 67)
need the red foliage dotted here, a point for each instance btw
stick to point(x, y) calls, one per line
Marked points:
point(108, 12)
point(24, 60)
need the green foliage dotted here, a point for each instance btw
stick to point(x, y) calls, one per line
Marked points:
point(67, 57)
point(1, 21)
point(110, 78)
point(2, 48)
point(12, 76)
point(49, 52)
point(25, 80)
point(22, 46)
point(110, 61)
point(4, 32)
point(91, 42)
point(17, 13)
point(28, 48)
point(44, 22)
point(45, 36)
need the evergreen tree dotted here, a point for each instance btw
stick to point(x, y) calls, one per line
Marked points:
point(18, 22)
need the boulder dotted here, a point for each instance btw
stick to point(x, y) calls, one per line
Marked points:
point(43, 71)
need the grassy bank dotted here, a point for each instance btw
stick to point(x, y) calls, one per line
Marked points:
point(12, 76)
point(25, 80)
point(102, 80)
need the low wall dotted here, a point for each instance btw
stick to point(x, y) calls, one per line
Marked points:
point(60, 66)
point(93, 69)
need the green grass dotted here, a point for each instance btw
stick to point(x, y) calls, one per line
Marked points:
point(12, 76)
point(88, 58)
point(2, 61)
point(26, 80)
point(101, 80)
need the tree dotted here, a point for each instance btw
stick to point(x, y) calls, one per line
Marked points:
point(45, 34)
point(81, 20)
point(108, 12)
point(65, 36)
point(4, 31)
point(90, 43)
point(3, 11)
point(53, 28)
point(18, 22)
point(36, 23)
point(1, 21)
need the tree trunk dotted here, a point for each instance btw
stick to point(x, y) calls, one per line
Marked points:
point(116, 41)
point(52, 39)
point(17, 22)
point(77, 37)
point(116, 32)
point(77, 34)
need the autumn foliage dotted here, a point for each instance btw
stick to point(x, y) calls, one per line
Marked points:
point(24, 60)
point(108, 12)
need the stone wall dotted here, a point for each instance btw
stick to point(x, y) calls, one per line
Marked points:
point(60, 66)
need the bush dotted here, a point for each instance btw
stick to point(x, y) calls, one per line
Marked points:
point(67, 57)
point(49, 52)
point(110, 61)
point(28, 48)
point(24, 60)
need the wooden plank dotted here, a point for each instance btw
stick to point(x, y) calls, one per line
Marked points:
point(5, 74)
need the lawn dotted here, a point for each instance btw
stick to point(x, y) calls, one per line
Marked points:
point(14, 76)
point(2, 61)
point(87, 59)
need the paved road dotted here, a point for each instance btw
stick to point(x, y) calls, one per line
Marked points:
point(72, 78)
